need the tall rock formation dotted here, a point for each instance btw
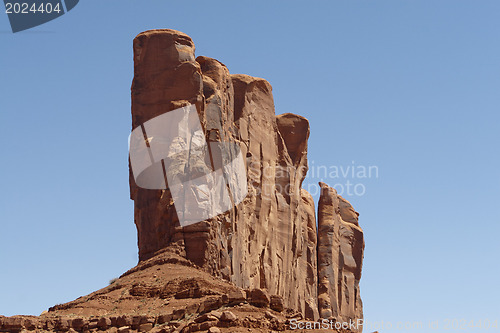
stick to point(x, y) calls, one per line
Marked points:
point(268, 241)
point(340, 257)
point(240, 269)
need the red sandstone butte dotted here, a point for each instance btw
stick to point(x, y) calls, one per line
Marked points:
point(254, 268)
point(269, 241)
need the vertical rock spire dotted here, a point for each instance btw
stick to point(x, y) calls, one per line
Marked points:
point(340, 257)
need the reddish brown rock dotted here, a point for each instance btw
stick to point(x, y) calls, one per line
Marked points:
point(340, 257)
point(228, 316)
point(205, 317)
point(145, 327)
point(276, 303)
point(259, 298)
point(124, 321)
point(308, 258)
point(15, 323)
point(294, 130)
point(211, 303)
point(236, 297)
point(79, 323)
point(268, 241)
point(164, 318)
point(104, 323)
point(63, 324)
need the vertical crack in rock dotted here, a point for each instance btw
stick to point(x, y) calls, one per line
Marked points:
point(269, 240)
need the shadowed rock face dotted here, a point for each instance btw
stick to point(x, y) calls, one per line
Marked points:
point(268, 241)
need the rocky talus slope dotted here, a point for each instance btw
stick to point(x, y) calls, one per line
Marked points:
point(261, 265)
point(163, 294)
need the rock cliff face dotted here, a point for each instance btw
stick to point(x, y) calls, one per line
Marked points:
point(340, 257)
point(269, 241)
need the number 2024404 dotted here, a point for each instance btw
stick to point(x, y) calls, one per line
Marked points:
point(25, 8)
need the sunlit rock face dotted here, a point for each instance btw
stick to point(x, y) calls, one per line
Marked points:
point(269, 240)
point(340, 257)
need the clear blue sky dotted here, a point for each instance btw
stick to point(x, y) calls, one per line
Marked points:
point(411, 87)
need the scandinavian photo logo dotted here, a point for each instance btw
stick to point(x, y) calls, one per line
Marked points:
point(205, 178)
point(27, 14)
